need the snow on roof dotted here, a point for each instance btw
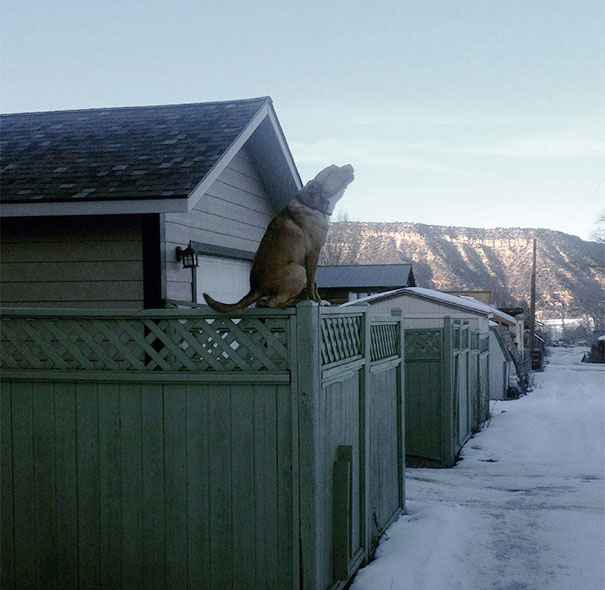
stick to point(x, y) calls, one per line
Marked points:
point(375, 297)
point(462, 302)
point(494, 310)
point(600, 338)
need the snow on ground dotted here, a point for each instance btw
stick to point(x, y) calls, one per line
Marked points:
point(523, 510)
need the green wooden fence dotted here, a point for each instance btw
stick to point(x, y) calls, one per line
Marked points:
point(446, 373)
point(185, 449)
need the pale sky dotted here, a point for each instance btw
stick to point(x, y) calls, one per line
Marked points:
point(473, 113)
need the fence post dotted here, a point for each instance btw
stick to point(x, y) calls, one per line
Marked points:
point(309, 419)
point(365, 423)
point(397, 313)
point(447, 395)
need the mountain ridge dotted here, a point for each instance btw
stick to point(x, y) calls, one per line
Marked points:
point(570, 277)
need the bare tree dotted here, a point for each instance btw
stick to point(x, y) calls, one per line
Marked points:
point(598, 234)
point(334, 252)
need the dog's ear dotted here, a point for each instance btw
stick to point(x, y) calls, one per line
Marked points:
point(314, 189)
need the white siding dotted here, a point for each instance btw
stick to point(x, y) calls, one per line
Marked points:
point(498, 370)
point(428, 313)
point(234, 213)
point(72, 262)
point(225, 280)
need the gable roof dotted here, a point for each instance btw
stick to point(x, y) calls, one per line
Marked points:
point(362, 276)
point(464, 302)
point(146, 159)
point(429, 294)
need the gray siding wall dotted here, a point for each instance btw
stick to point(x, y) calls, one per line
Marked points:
point(94, 261)
point(498, 369)
point(233, 213)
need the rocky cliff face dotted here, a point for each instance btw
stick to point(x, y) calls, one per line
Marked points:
point(570, 272)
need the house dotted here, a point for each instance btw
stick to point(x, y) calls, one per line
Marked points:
point(96, 203)
point(339, 284)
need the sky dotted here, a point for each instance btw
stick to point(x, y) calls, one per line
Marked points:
point(475, 113)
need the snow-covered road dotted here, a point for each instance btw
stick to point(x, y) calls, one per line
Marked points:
point(523, 510)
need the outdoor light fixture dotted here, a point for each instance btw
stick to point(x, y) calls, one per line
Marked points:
point(187, 256)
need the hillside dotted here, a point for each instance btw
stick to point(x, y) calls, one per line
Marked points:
point(570, 271)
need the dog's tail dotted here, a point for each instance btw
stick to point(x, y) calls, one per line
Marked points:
point(245, 301)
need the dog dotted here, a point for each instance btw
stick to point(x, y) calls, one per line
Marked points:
point(283, 270)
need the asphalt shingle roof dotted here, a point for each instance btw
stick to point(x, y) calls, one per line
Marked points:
point(367, 275)
point(141, 153)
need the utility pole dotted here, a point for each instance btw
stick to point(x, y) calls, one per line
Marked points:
point(532, 325)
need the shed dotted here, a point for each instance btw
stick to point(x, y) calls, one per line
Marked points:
point(418, 301)
point(446, 370)
point(339, 284)
point(96, 202)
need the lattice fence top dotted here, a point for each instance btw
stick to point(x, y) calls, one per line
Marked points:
point(423, 344)
point(176, 341)
point(384, 341)
point(167, 342)
point(341, 338)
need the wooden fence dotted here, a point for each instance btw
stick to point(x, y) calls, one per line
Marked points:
point(185, 449)
point(447, 390)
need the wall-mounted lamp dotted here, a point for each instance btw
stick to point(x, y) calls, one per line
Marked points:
point(188, 256)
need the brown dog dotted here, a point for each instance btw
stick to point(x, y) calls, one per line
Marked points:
point(286, 260)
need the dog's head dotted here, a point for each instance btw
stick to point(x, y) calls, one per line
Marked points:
point(326, 189)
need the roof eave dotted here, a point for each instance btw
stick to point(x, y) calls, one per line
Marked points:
point(113, 207)
point(265, 111)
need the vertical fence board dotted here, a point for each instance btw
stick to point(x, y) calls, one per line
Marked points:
point(66, 503)
point(44, 483)
point(132, 488)
point(175, 458)
point(219, 434)
point(261, 514)
point(7, 540)
point(242, 475)
point(265, 473)
point(448, 392)
point(87, 441)
point(110, 486)
point(333, 435)
point(198, 477)
point(484, 385)
point(152, 418)
point(285, 515)
point(23, 477)
point(384, 451)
